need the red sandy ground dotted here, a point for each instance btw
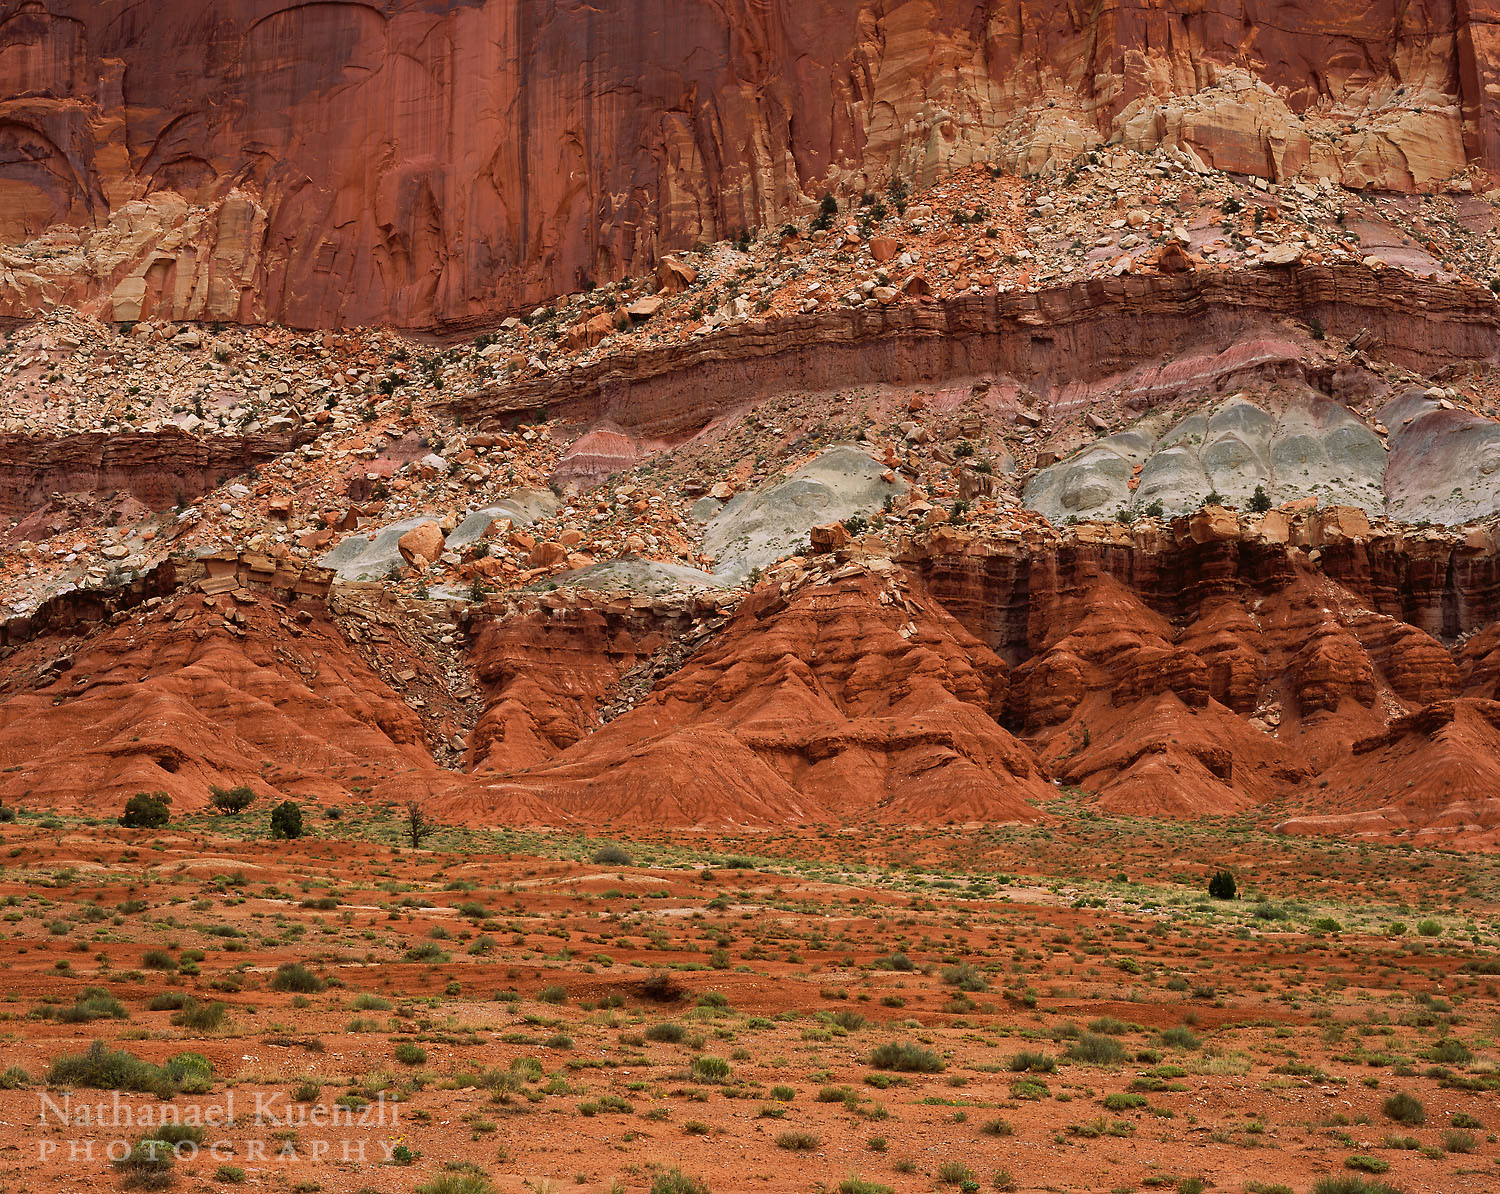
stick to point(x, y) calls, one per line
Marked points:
point(1297, 1034)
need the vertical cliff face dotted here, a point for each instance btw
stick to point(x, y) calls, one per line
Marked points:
point(429, 162)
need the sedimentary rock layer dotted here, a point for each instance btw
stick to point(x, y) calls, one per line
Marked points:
point(1050, 339)
point(157, 468)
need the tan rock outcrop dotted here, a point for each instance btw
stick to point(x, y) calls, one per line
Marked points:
point(429, 163)
point(421, 545)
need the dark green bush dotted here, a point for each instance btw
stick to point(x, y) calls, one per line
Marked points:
point(202, 1017)
point(93, 1003)
point(1405, 1109)
point(1097, 1049)
point(146, 810)
point(286, 820)
point(295, 977)
point(674, 1181)
point(233, 801)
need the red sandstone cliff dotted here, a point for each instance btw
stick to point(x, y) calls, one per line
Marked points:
point(427, 163)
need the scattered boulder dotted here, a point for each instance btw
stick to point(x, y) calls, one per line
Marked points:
point(421, 545)
point(674, 276)
point(829, 537)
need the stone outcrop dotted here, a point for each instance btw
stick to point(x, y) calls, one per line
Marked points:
point(1442, 464)
point(430, 163)
point(755, 529)
point(1429, 774)
point(80, 611)
point(1445, 461)
point(157, 468)
point(195, 690)
point(421, 545)
point(1055, 340)
point(1178, 670)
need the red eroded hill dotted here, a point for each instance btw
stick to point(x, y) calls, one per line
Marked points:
point(1433, 771)
point(853, 700)
point(201, 691)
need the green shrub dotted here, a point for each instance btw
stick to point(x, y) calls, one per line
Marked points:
point(1450, 1052)
point(674, 1181)
point(202, 1017)
point(13, 1078)
point(147, 810)
point(409, 1054)
point(175, 1134)
point(1348, 1184)
point(1222, 886)
point(1405, 1109)
point(1455, 1141)
point(906, 1058)
point(710, 1069)
point(148, 1164)
point(190, 1073)
point(667, 1033)
point(297, 978)
point(857, 1185)
point(286, 820)
point(457, 1183)
point(965, 977)
point(103, 1068)
point(1179, 1037)
point(798, 1142)
point(93, 1003)
point(1030, 1061)
point(1096, 1049)
point(612, 854)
